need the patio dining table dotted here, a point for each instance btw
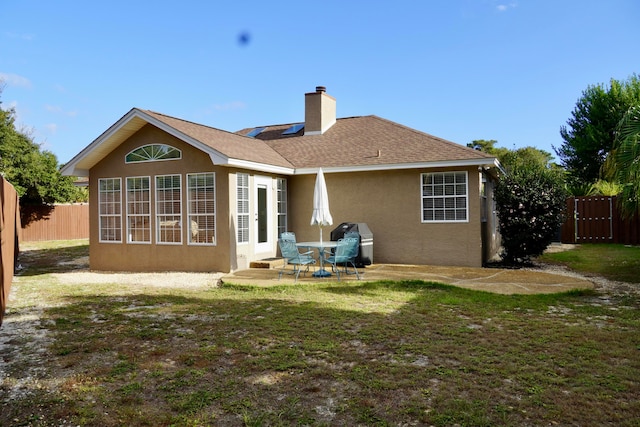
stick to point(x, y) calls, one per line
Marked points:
point(320, 246)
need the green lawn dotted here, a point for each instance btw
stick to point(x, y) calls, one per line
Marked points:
point(369, 354)
point(614, 262)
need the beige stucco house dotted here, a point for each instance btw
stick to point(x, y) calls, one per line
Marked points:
point(171, 195)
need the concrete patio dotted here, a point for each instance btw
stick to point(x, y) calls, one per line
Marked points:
point(502, 281)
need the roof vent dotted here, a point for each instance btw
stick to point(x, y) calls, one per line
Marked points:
point(321, 89)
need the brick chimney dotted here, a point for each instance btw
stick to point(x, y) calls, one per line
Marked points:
point(319, 111)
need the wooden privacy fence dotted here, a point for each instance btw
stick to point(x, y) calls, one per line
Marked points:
point(59, 222)
point(9, 239)
point(596, 219)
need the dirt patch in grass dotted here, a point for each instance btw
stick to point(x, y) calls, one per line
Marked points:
point(68, 263)
point(175, 280)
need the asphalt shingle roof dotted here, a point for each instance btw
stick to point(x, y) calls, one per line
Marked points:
point(363, 141)
point(229, 144)
point(353, 142)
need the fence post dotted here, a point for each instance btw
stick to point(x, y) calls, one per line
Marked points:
point(610, 220)
point(575, 220)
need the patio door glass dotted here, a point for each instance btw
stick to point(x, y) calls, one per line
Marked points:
point(263, 214)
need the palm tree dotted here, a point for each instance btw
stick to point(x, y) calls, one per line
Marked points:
point(623, 163)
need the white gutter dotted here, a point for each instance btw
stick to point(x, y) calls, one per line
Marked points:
point(490, 162)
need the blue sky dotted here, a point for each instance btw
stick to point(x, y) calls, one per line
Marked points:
point(510, 70)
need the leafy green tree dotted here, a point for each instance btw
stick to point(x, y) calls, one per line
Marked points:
point(623, 165)
point(605, 188)
point(526, 157)
point(514, 158)
point(590, 131)
point(488, 146)
point(34, 173)
point(599, 188)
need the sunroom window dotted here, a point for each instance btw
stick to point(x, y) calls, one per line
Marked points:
point(202, 208)
point(138, 210)
point(109, 209)
point(169, 209)
point(242, 207)
point(282, 205)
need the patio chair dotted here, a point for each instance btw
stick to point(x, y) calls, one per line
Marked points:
point(352, 234)
point(292, 256)
point(288, 235)
point(345, 253)
point(344, 236)
point(357, 260)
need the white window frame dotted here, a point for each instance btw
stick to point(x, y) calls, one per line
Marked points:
point(242, 208)
point(282, 200)
point(135, 200)
point(152, 153)
point(193, 216)
point(445, 195)
point(484, 207)
point(110, 211)
point(163, 214)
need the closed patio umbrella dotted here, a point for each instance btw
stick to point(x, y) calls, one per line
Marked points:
point(321, 215)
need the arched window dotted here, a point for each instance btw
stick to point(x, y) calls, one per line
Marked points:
point(152, 153)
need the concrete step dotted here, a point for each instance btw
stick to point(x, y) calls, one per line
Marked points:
point(269, 263)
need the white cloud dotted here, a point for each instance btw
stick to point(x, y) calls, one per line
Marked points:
point(24, 36)
point(51, 128)
point(505, 7)
point(15, 80)
point(58, 110)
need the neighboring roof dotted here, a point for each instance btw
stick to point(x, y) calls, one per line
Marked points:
point(368, 143)
point(364, 143)
point(224, 148)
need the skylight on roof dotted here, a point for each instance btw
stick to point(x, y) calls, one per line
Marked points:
point(255, 132)
point(293, 129)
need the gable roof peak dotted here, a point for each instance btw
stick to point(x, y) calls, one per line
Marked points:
point(223, 147)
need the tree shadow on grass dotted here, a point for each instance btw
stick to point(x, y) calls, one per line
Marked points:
point(33, 262)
